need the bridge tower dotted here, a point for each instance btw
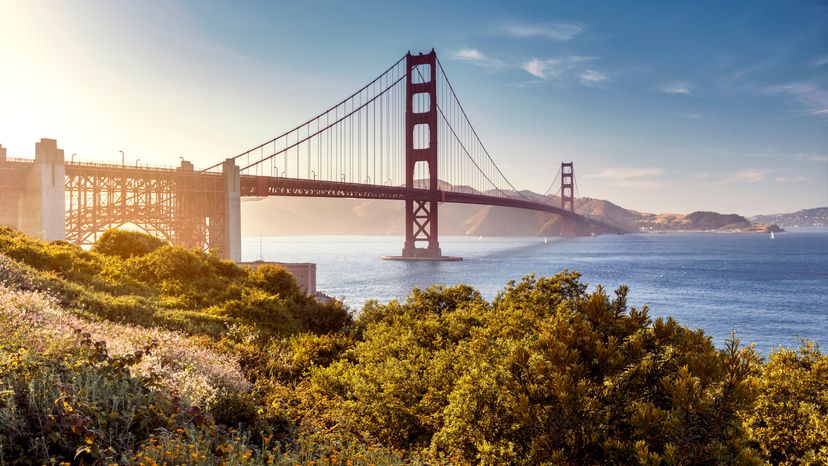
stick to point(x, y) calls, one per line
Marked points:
point(421, 147)
point(568, 225)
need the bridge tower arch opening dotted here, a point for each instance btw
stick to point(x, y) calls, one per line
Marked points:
point(421, 225)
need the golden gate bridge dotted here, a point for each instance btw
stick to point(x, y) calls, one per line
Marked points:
point(403, 136)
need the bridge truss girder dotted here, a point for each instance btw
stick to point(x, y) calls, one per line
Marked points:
point(180, 206)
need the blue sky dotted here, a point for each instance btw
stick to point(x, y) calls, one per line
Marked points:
point(662, 106)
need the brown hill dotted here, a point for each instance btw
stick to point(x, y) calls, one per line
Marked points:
point(715, 221)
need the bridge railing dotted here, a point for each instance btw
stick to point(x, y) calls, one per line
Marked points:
point(126, 166)
point(80, 163)
point(18, 160)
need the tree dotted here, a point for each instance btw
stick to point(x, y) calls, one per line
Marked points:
point(547, 373)
point(126, 244)
point(790, 420)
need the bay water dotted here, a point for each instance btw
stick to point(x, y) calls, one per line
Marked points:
point(769, 291)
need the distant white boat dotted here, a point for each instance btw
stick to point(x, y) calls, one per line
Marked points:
point(772, 237)
point(544, 240)
point(479, 237)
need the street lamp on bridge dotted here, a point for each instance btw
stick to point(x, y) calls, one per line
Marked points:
point(122, 157)
point(136, 162)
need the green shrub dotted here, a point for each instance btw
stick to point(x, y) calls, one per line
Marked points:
point(65, 259)
point(274, 280)
point(126, 244)
point(547, 373)
point(789, 423)
point(270, 315)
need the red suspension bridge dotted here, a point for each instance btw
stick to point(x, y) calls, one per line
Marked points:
point(403, 136)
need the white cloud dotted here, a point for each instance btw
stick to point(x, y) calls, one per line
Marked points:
point(749, 175)
point(677, 88)
point(791, 179)
point(535, 67)
point(470, 54)
point(811, 157)
point(701, 176)
point(552, 68)
point(632, 177)
point(476, 57)
point(811, 98)
point(554, 31)
point(593, 77)
point(690, 116)
point(627, 172)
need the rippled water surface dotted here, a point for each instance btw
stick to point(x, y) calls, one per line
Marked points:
point(770, 292)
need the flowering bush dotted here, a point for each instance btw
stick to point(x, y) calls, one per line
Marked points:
point(75, 402)
point(198, 375)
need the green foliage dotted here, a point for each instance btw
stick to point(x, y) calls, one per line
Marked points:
point(274, 280)
point(126, 244)
point(59, 257)
point(790, 420)
point(131, 277)
point(246, 369)
point(289, 360)
point(547, 373)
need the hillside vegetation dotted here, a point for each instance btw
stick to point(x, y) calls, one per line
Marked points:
point(137, 352)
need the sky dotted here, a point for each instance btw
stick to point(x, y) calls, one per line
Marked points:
point(663, 107)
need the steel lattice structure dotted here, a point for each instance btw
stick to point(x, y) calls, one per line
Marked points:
point(180, 206)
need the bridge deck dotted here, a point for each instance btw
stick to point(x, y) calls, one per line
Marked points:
point(263, 186)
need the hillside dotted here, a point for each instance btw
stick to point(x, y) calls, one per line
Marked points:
point(817, 217)
point(317, 216)
point(137, 352)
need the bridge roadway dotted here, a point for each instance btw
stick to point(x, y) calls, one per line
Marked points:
point(263, 186)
